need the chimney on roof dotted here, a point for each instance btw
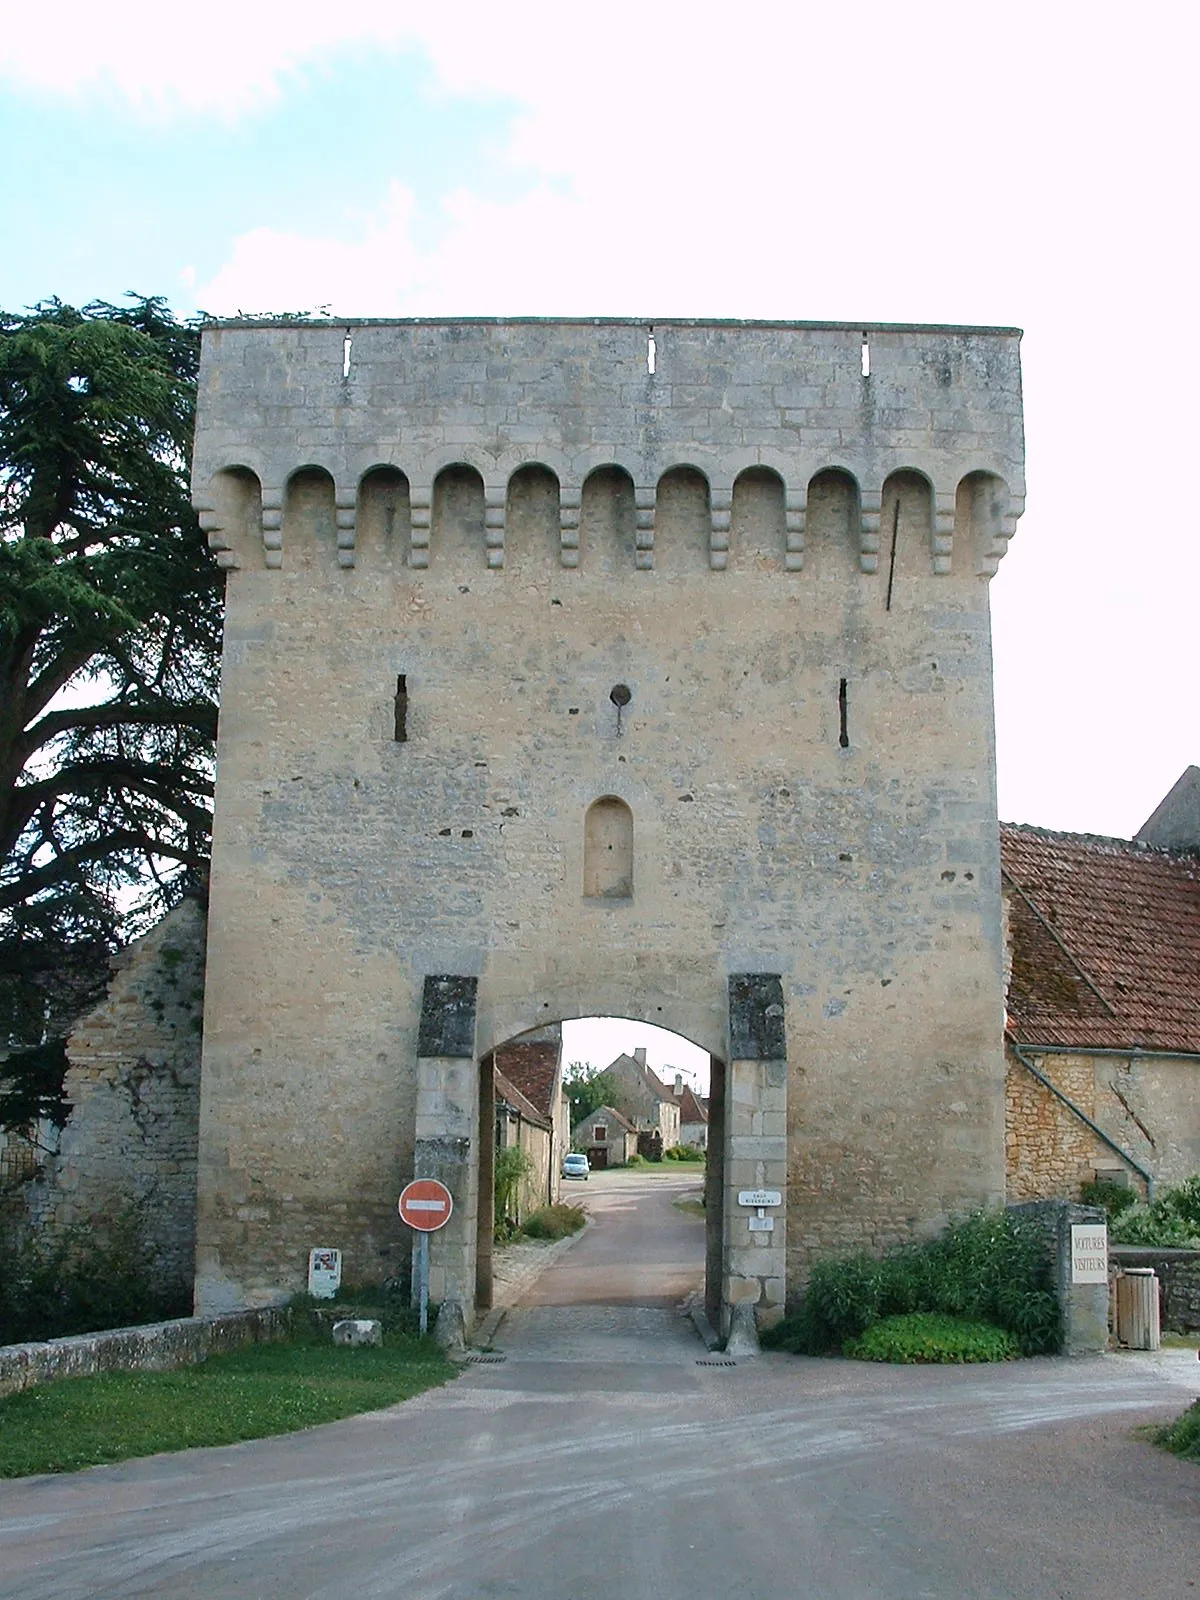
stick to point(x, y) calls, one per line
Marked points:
point(639, 1055)
point(679, 1083)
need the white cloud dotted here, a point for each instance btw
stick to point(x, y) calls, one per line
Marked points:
point(226, 56)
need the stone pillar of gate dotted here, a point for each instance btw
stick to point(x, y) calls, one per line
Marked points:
point(447, 1135)
point(755, 1140)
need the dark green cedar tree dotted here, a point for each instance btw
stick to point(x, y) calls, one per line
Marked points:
point(110, 617)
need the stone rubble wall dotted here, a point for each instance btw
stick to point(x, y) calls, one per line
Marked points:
point(1178, 1272)
point(134, 1087)
point(1149, 1106)
point(157, 1347)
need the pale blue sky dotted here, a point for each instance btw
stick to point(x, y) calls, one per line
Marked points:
point(1015, 164)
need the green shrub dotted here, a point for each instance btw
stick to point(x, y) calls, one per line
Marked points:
point(636, 1160)
point(82, 1279)
point(991, 1267)
point(1171, 1222)
point(512, 1166)
point(1183, 1435)
point(685, 1152)
point(555, 1222)
point(930, 1336)
point(1114, 1197)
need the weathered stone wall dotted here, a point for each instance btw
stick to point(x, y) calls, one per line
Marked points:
point(1148, 1105)
point(156, 1347)
point(782, 560)
point(1178, 1272)
point(134, 1085)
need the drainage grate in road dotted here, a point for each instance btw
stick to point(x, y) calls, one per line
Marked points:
point(486, 1358)
point(715, 1361)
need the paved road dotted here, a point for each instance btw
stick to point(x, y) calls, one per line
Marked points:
point(610, 1465)
point(640, 1249)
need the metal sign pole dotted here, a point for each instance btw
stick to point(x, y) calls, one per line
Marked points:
point(423, 1275)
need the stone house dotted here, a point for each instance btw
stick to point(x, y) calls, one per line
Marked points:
point(519, 1124)
point(693, 1115)
point(532, 1110)
point(1103, 1023)
point(645, 1098)
point(607, 1136)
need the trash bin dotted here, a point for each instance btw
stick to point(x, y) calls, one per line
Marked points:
point(1137, 1308)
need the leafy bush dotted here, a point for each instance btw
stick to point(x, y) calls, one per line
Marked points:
point(685, 1152)
point(1114, 1197)
point(929, 1336)
point(513, 1165)
point(636, 1160)
point(1183, 1435)
point(81, 1279)
point(991, 1267)
point(1171, 1222)
point(555, 1222)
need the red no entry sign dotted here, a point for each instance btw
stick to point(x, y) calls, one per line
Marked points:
point(425, 1205)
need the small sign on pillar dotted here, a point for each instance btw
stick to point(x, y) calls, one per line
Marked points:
point(1089, 1252)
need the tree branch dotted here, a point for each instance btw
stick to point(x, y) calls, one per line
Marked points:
point(67, 865)
point(199, 715)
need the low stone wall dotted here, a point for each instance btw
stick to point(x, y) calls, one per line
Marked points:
point(1178, 1273)
point(155, 1348)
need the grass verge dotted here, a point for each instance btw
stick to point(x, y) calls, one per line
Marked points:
point(690, 1205)
point(554, 1222)
point(250, 1394)
point(1182, 1436)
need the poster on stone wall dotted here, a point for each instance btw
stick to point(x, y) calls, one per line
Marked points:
point(324, 1273)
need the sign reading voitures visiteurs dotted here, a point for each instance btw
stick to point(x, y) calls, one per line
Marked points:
point(1089, 1252)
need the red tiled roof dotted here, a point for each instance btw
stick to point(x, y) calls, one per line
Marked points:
point(690, 1109)
point(508, 1092)
point(532, 1065)
point(1105, 938)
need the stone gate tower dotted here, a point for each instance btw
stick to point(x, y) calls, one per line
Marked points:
point(584, 667)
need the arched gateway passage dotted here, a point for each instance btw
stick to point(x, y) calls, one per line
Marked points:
point(745, 1260)
point(628, 1117)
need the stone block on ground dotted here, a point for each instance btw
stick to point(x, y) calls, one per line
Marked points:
point(358, 1331)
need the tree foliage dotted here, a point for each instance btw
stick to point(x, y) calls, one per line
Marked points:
point(109, 646)
point(588, 1088)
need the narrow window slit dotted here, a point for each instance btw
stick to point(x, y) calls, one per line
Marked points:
point(347, 342)
point(651, 352)
point(843, 716)
point(866, 356)
point(401, 732)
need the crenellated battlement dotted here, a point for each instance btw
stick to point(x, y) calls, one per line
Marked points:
point(714, 435)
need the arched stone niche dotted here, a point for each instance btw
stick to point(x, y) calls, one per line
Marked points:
point(608, 850)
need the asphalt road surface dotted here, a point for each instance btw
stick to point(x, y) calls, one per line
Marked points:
point(640, 1249)
point(604, 1462)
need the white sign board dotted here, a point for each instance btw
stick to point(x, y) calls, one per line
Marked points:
point(1089, 1253)
point(324, 1273)
point(759, 1197)
point(761, 1224)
